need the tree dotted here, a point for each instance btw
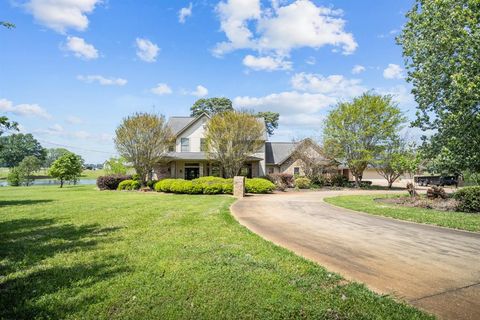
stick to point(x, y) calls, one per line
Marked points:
point(7, 24)
point(393, 160)
point(53, 154)
point(27, 167)
point(355, 131)
point(271, 120)
point(231, 138)
point(143, 140)
point(68, 167)
point(116, 166)
point(15, 147)
point(5, 124)
point(211, 106)
point(441, 47)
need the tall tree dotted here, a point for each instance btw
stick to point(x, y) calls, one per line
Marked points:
point(355, 131)
point(68, 167)
point(53, 154)
point(271, 120)
point(27, 167)
point(231, 138)
point(211, 106)
point(441, 47)
point(15, 147)
point(143, 140)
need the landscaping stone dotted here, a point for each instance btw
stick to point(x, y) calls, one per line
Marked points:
point(239, 187)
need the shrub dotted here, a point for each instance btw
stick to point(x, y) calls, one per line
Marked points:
point(337, 180)
point(129, 185)
point(281, 180)
point(111, 182)
point(164, 185)
point(259, 185)
point(227, 186)
point(468, 199)
point(214, 185)
point(151, 183)
point(302, 183)
point(436, 192)
point(15, 177)
point(319, 180)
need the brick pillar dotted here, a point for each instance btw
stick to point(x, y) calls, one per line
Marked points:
point(239, 187)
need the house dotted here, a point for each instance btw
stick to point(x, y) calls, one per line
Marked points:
point(188, 158)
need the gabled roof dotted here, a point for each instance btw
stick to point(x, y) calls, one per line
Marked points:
point(278, 152)
point(180, 124)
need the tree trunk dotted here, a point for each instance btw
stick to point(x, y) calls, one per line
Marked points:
point(61, 183)
point(357, 181)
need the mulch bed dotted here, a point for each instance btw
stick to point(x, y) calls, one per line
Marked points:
point(448, 204)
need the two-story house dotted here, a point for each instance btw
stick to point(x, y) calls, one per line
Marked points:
point(188, 158)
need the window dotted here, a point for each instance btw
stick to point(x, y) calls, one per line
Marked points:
point(296, 171)
point(185, 142)
point(203, 144)
point(171, 148)
point(270, 170)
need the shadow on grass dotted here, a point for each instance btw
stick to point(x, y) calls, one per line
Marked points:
point(8, 203)
point(25, 243)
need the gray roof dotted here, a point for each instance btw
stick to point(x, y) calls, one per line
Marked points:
point(278, 152)
point(196, 156)
point(178, 123)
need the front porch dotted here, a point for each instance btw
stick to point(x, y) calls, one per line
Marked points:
point(190, 169)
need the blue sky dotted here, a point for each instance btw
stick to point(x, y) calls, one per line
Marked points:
point(71, 70)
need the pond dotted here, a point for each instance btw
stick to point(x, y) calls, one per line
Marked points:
point(46, 182)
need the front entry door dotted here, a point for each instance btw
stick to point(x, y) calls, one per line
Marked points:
point(192, 173)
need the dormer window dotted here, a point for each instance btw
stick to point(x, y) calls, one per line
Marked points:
point(185, 142)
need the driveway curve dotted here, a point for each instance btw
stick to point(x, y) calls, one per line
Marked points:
point(436, 269)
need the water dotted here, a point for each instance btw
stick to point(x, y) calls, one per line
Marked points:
point(47, 182)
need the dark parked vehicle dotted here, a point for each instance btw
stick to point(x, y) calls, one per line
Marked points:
point(436, 180)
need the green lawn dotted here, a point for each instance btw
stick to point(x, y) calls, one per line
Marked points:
point(80, 253)
point(457, 220)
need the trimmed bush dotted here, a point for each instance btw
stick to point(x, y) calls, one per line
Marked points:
point(164, 185)
point(468, 199)
point(111, 182)
point(227, 186)
point(259, 185)
point(129, 185)
point(337, 180)
point(302, 183)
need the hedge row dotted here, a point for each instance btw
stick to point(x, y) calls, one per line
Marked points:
point(212, 185)
point(129, 185)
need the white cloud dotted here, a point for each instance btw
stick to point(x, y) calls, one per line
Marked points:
point(393, 71)
point(311, 61)
point(267, 63)
point(281, 28)
point(102, 80)
point(184, 13)
point(200, 91)
point(147, 50)
point(80, 48)
point(28, 110)
point(401, 94)
point(358, 69)
point(74, 120)
point(286, 103)
point(335, 85)
point(161, 89)
point(61, 15)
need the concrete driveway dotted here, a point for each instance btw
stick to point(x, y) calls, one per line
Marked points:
point(433, 268)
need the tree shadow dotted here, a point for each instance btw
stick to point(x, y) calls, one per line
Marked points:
point(8, 203)
point(26, 243)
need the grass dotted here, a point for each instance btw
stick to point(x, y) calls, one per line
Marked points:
point(456, 220)
point(80, 253)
